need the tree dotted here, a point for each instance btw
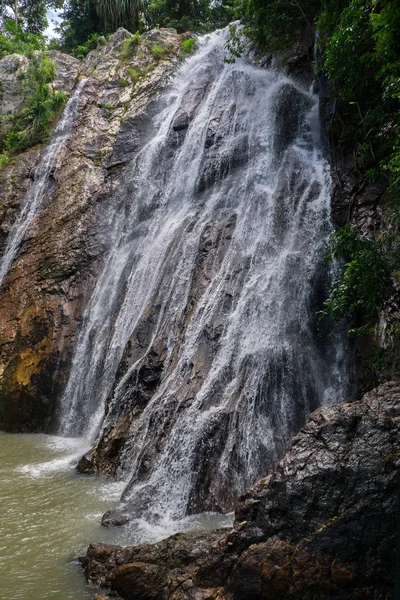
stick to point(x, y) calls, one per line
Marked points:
point(117, 13)
point(189, 15)
point(31, 14)
point(81, 19)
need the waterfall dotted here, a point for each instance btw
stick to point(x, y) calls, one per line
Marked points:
point(38, 187)
point(207, 298)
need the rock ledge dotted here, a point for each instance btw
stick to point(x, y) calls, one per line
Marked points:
point(322, 525)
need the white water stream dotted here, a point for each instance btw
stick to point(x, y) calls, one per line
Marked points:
point(232, 147)
point(38, 187)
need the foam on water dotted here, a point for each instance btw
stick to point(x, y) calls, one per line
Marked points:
point(48, 521)
point(71, 449)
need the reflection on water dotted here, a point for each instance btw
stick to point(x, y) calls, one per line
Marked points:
point(49, 515)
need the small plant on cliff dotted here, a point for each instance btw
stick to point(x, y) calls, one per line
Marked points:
point(135, 74)
point(158, 52)
point(4, 159)
point(187, 46)
point(130, 45)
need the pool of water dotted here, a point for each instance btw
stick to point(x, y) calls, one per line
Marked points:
point(49, 514)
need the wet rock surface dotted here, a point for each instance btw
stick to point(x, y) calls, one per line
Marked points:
point(45, 293)
point(322, 525)
point(161, 374)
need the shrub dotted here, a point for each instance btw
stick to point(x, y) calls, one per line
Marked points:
point(130, 45)
point(31, 125)
point(187, 46)
point(135, 74)
point(365, 286)
point(16, 40)
point(93, 41)
point(158, 51)
point(235, 44)
point(4, 159)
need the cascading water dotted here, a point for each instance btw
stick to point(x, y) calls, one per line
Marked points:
point(38, 187)
point(207, 298)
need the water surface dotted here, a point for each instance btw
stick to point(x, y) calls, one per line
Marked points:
point(50, 514)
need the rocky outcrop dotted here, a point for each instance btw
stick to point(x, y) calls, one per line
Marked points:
point(149, 571)
point(46, 291)
point(321, 526)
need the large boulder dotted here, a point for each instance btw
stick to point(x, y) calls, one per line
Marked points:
point(321, 526)
point(67, 71)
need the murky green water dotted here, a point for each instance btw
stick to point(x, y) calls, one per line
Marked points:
point(49, 515)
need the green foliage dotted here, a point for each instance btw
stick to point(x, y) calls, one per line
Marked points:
point(189, 15)
point(79, 20)
point(187, 46)
point(360, 51)
point(234, 45)
point(118, 13)
point(31, 15)
point(392, 166)
point(362, 61)
point(130, 45)
point(351, 38)
point(274, 24)
point(93, 41)
point(4, 159)
point(365, 286)
point(31, 126)
point(15, 40)
point(135, 74)
point(158, 52)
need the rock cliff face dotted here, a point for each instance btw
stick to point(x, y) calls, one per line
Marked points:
point(321, 526)
point(46, 291)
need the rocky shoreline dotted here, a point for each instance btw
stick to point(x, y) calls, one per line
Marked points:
point(321, 526)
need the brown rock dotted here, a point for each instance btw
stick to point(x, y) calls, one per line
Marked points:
point(140, 581)
point(321, 526)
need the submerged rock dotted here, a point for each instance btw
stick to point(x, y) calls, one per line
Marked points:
point(322, 525)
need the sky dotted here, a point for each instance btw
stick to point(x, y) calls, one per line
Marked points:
point(52, 15)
